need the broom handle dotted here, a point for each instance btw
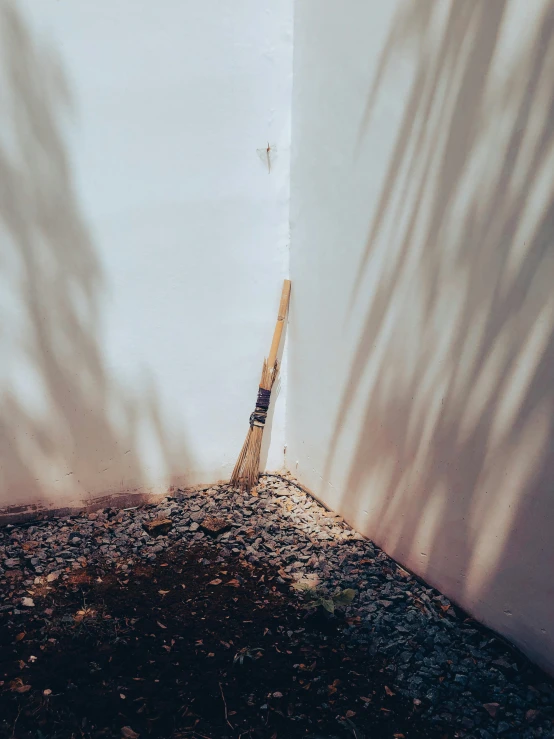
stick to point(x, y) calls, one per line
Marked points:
point(283, 306)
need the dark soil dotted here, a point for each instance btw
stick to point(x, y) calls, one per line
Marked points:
point(159, 650)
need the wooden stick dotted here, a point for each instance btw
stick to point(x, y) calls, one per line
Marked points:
point(229, 724)
point(247, 468)
point(283, 307)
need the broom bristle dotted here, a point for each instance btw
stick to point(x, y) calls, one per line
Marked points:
point(247, 469)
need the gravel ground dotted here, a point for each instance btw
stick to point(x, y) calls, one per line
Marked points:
point(460, 674)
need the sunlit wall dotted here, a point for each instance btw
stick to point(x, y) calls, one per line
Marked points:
point(421, 382)
point(143, 242)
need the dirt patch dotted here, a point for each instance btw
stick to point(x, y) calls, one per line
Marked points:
point(195, 645)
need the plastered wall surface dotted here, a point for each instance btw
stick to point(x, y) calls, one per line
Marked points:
point(420, 400)
point(143, 242)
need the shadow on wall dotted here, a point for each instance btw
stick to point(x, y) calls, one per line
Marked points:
point(67, 429)
point(453, 469)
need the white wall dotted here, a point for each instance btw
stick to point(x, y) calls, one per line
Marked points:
point(422, 322)
point(143, 242)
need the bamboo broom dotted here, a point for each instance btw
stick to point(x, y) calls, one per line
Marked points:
point(247, 469)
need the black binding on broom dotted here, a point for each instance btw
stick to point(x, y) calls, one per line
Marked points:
point(262, 404)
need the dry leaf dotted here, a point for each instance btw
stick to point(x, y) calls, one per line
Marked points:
point(388, 691)
point(234, 583)
point(491, 708)
point(163, 592)
point(350, 714)
point(86, 613)
point(27, 602)
point(128, 733)
point(217, 581)
point(18, 686)
point(353, 620)
point(161, 625)
point(20, 636)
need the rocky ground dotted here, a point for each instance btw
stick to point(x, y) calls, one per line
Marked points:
point(110, 630)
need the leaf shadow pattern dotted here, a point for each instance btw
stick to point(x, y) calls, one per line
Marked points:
point(452, 468)
point(68, 428)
